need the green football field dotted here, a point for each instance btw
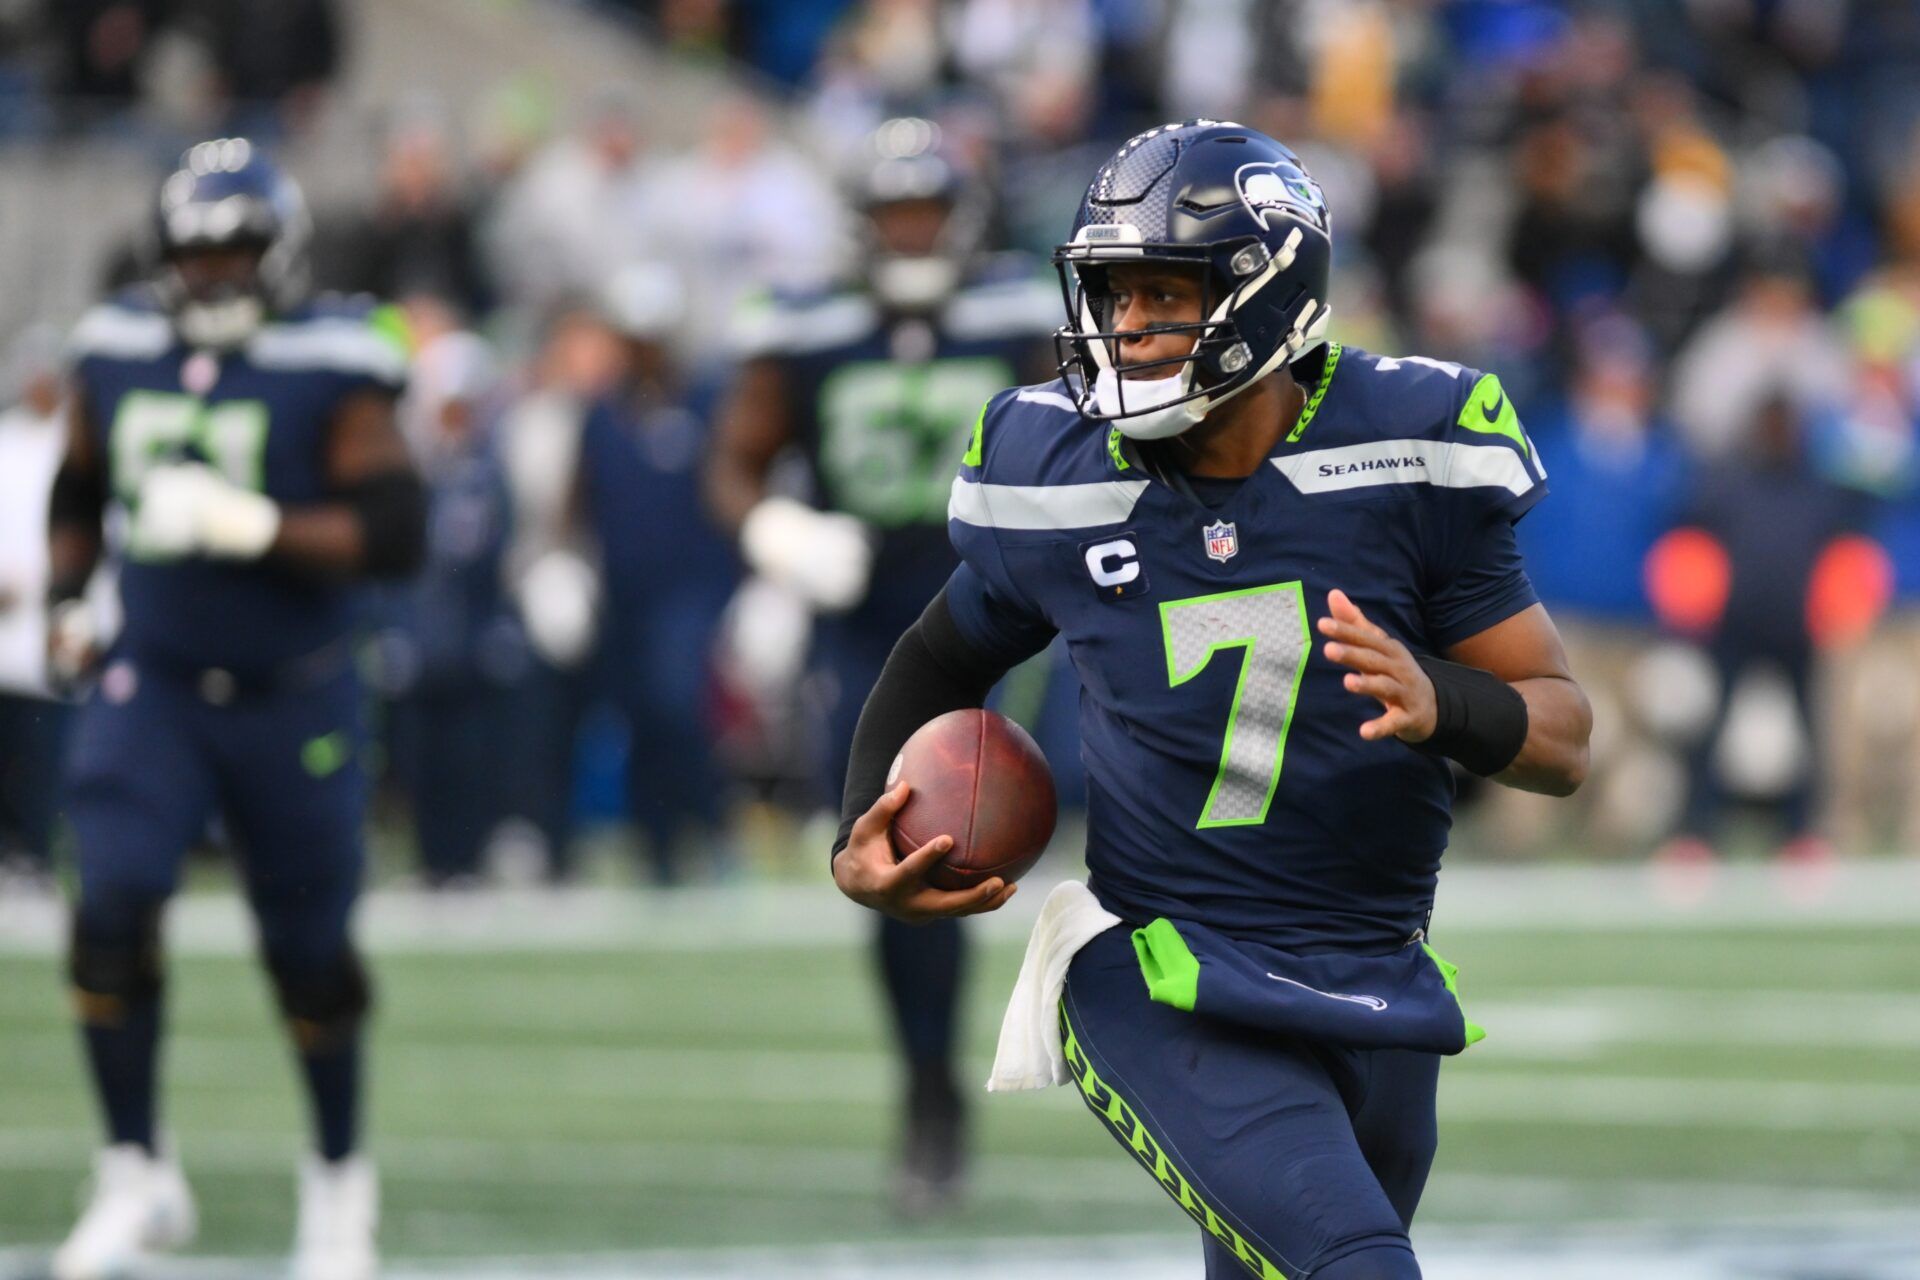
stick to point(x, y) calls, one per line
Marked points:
point(678, 1080)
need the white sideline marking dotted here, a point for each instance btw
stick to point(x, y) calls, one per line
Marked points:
point(743, 917)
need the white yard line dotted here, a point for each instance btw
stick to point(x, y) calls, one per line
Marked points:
point(1883, 1247)
point(767, 1171)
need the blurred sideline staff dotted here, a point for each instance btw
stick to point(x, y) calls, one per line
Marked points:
point(32, 722)
point(619, 572)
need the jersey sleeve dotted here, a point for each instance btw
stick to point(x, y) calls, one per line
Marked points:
point(990, 606)
point(1483, 583)
point(1491, 477)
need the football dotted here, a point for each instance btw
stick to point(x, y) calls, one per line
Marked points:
point(978, 777)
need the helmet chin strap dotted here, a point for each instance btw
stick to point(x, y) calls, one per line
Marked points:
point(1158, 419)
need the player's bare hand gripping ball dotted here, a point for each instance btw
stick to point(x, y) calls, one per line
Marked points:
point(1383, 668)
point(867, 871)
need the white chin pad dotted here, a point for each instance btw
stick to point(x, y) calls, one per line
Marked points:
point(1149, 415)
point(223, 324)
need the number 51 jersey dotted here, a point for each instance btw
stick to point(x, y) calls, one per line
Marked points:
point(260, 415)
point(1228, 784)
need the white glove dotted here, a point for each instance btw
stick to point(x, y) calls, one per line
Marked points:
point(825, 556)
point(188, 507)
point(560, 602)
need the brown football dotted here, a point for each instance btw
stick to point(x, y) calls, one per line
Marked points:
point(978, 777)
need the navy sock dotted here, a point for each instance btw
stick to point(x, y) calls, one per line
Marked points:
point(121, 1053)
point(333, 1088)
point(921, 967)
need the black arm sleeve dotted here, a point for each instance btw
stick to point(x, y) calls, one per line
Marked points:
point(78, 501)
point(931, 671)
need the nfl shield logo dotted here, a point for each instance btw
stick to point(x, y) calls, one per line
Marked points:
point(1223, 540)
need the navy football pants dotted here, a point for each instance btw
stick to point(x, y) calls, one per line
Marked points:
point(1296, 1160)
point(151, 762)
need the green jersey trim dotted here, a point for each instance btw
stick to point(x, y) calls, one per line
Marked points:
point(1319, 393)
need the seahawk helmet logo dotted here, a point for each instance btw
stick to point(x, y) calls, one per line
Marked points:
point(1223, 540)
point(1270, 188)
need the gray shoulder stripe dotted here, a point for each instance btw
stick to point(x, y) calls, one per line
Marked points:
point(1052, 399)
point(121, 334)
point(1059, 506)
point(1434, 462)
point(1003, 311)
point(345, 346)
point(774, 330)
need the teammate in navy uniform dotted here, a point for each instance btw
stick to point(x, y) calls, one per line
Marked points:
point(876, 387)
point(235, 445)
point(1287, 576)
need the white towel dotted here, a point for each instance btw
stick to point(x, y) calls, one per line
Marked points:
point(1030, 1055)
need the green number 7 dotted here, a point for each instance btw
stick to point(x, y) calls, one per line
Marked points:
point(1270, 623)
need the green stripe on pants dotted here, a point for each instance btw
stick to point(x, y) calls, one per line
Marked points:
point(1124, 1121)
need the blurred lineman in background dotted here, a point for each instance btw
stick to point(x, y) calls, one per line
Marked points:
point(876, 388)
point(235, 446)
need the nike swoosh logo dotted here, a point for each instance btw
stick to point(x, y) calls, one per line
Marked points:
point(1374, 1003)
point(1492, 415)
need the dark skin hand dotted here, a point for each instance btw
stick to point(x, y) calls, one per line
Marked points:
point(867, 871)
point(1524, 650)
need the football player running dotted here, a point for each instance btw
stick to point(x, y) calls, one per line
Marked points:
point(238, 442)
point(875, 388)
point(1286, 574)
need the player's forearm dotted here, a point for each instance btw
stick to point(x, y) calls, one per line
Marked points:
point(72, 552)
point(732, 490)
point(1553, 760)
point(74, 512)
point(377, 529)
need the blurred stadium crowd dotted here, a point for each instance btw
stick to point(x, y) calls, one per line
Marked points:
point(1686, 233)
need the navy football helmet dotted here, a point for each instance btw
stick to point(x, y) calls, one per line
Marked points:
point(227, 194)
point(908, 161)
point(1229, 203)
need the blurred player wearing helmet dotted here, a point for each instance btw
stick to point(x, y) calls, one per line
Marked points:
point(232, 445)
point(875, 388)
point(1287, 578)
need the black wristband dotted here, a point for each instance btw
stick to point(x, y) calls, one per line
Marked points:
point(392, 507)
point(1479, 719)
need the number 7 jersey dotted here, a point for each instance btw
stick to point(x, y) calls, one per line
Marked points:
point(1227, 780)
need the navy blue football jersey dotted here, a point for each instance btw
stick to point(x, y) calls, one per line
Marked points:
point(882, 409)
point(1227, 780)
point(260, 414)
